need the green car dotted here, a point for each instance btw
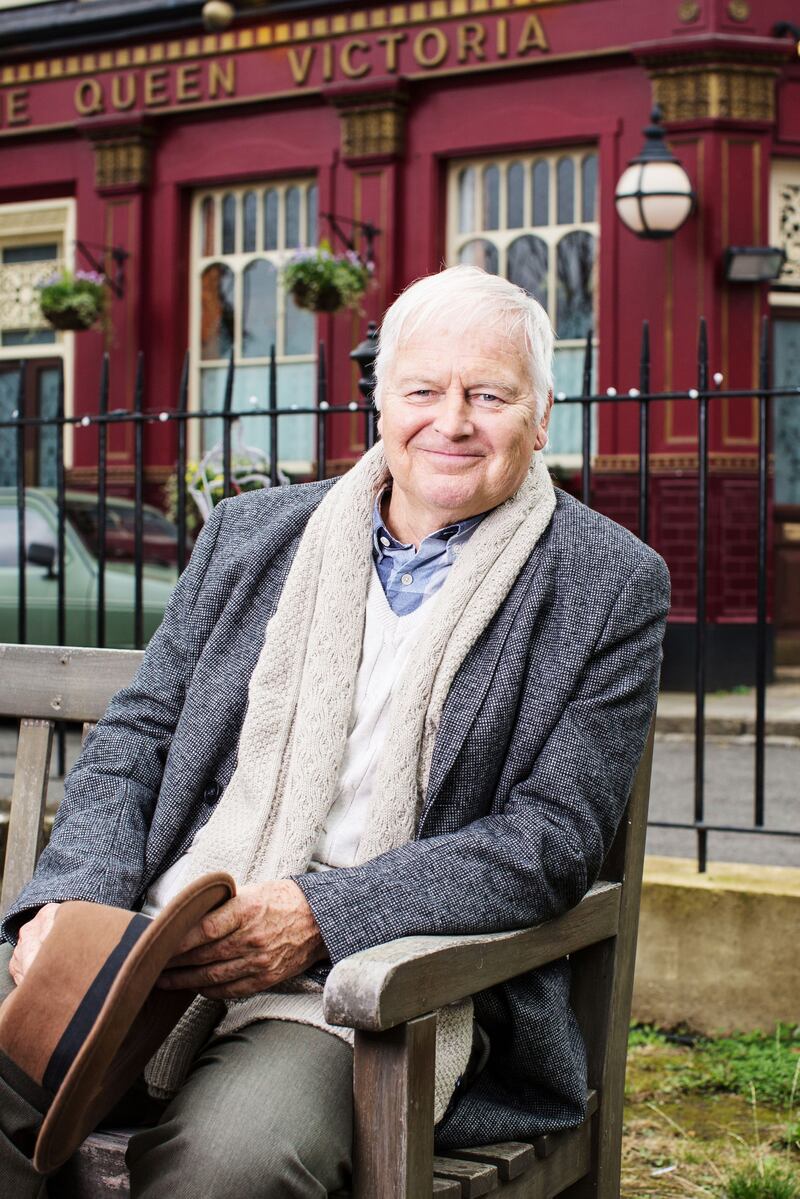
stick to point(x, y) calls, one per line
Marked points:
point(159, 573)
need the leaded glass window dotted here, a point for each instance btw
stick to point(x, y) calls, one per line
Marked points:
point(533, 218)
point(241, 238)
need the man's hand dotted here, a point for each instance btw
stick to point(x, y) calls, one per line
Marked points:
point(264, 935)
point(31, 936)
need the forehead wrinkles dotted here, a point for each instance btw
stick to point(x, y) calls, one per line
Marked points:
point(473, 359)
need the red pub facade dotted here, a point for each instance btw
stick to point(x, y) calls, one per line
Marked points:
point(487, 131)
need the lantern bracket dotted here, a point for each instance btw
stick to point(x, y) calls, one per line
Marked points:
point(369, 231)
point(117, 283)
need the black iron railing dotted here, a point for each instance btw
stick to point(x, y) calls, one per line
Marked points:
point(323, 412)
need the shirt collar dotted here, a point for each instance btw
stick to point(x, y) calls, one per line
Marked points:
point(450, 533)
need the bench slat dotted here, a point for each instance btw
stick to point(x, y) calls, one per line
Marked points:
point(476, 1178)
point(511, 1158)
point(26, 819)
point(446, 1188)
point(58, 683)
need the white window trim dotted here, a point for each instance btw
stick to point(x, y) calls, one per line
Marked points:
point(237, 261)
point(17, 229)
point(784, 170)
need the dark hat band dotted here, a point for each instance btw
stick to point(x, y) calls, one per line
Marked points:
point(79, 1027)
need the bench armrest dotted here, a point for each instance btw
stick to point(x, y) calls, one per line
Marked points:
point(392, 983)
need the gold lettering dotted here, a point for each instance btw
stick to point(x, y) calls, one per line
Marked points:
point(300, 64)
point(471, 37)
point(155, 86)
point(532, 36)
point(17, 106)
point(502, 37)
point(222, 78)
point(421, 54)
point(89, 98)
point(327, 62)
point(391, 41)
point(187, 85)
point(346, 63)
point(119, 99)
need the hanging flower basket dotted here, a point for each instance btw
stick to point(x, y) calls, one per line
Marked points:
point(73, 302)
point(322, 281)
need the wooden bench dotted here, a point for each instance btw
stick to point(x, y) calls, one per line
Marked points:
point(387, 994)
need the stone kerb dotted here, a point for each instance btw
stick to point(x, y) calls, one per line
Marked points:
point(718, 951)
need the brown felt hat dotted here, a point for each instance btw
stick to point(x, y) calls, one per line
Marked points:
point(85, 1020)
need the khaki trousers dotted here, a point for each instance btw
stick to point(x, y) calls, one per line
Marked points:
point(266, 1112)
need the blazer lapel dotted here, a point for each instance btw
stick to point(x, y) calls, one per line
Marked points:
point(472, 683)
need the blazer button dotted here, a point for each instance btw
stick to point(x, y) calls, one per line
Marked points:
point(211, 792)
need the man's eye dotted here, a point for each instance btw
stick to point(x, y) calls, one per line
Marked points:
point(422, 393)
point(486, 397)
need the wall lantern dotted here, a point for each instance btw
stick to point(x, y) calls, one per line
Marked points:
point(654, 195)
point(753, 264)
point(217, 15)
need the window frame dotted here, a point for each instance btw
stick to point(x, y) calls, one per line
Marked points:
point(237, 261)
point(551, 234)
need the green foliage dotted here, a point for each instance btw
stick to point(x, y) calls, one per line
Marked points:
point(80, 298)
point(767, 1062)
point(326, 282)
point(764, 1178)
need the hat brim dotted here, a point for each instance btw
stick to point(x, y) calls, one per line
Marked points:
point(131, 1024)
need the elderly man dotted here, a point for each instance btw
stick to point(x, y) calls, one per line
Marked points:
point(410, 700)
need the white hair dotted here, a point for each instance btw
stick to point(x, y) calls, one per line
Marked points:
point(468, 297)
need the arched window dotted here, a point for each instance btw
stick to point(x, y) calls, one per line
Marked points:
point(527, 266)
point(480, 252)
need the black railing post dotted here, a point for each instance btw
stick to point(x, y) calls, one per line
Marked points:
point(138, 511)
point(586, 431)
point(761, 602)
point(273, 417)
point(61, 580)
point(180, 481)
point(644, 433)
point(364, 356)
point(227, 423)
point(322, 418)
point(102, 502)
point(700, 612)
point(22, 599)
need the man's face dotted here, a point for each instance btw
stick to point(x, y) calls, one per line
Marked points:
point(457, 422)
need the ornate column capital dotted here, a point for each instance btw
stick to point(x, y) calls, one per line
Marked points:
point(373, 124)
point(122, 155)
point(715, 77)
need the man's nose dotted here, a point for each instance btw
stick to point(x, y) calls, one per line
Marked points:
point(454, 415)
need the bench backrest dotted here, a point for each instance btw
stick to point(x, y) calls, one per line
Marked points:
point(40, 685)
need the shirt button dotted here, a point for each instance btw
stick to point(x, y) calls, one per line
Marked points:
point(385, 541)
point(407, 579)
point(456, 549)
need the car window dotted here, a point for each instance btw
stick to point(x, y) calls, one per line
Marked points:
point(159, 534)
point(37, 529)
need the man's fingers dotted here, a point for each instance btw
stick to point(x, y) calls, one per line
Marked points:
point(225, 950)
point(195, 978)
point(213, 927)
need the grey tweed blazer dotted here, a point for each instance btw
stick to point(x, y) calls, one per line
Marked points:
point(534, 758)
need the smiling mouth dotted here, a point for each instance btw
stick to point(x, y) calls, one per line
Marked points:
point(451, 453)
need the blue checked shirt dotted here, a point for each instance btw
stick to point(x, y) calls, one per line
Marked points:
point(410, 576)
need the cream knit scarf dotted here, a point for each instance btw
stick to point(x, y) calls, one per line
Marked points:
point(299, 707)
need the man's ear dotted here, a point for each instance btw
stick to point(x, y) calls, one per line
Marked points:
point(541, 432)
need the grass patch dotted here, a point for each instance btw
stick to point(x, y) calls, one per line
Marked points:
point(768, 1063)
point(714, 1118)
